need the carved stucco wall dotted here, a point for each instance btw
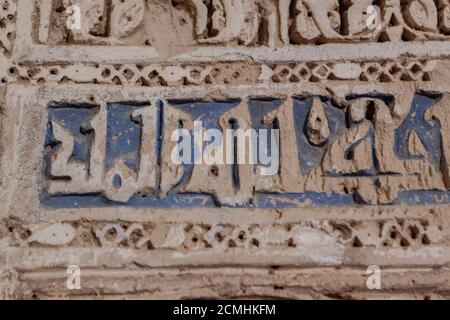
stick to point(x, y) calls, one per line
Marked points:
point(364, 173)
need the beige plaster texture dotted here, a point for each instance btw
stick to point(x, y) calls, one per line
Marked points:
point(91, 91)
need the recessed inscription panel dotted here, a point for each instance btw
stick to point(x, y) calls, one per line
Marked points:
point(297, 151)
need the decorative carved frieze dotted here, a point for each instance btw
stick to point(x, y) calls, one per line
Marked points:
point(183, 237)
point(271, 23)
point(231, 73)
point(230, 30)
point(271, 142)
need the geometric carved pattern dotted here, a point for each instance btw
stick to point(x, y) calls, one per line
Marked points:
point(160, 75)
point(204, 237)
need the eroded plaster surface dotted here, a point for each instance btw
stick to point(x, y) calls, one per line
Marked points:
point(87, 178)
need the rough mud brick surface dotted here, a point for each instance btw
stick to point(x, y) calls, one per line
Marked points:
point(87, 179)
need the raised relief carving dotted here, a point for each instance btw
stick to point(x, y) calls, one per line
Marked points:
point(366, 159)
point(7, 24)
point(439, 112)
point(223, 21)
point(364, 149)
point(317, 128)
point(271, 23)
point(79, 164)
point(107, 21)
point(444, 16)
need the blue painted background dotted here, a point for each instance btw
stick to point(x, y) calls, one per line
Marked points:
point(123, 142)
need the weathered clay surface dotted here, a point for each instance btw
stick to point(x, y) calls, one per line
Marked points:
point(87, 178)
